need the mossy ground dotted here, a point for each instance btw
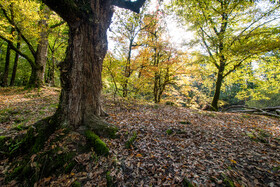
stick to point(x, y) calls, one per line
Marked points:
point(36, 151)
point(46, 150)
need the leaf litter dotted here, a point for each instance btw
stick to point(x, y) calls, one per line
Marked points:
point(171, 146)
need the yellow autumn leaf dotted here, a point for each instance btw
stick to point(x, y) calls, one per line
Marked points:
point(233, 161)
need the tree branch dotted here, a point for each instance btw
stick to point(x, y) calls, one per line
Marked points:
point(57, 24)
point(17, 50)
point(208, 48)
point(254, 22)
point(11, 21)
point(67, 9)
point(236, 65)
point(130, 5)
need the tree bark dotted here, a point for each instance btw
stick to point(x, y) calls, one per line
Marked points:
point(7, 66)
point(51, 71)
point(38, 71)
point(15, 65)
point(219, 81)
point(127, 71)
point(81, 70)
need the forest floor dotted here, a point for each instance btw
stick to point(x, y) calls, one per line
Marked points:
point(158, 145)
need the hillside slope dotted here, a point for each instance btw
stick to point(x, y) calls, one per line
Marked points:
point(159, 145)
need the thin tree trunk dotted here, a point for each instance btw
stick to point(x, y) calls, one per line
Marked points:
point(219, 81)
point(156, 88)
point(38, 76)
point(51, 71)
point(15, 65)
point(7, 66)
point(127, 71)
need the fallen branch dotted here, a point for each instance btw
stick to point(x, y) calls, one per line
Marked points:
point(268, 111)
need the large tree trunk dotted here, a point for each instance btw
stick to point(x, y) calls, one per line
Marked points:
point(81, 70)
point(80, 106)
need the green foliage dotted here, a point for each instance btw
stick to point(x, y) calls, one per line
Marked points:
point(185, 122)
point(169, 103)
point(232, 33)
point(187, 183)
point(272, 100)
point(45, 164)
point(227, 181)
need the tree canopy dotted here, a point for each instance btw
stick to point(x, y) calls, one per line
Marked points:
point(231, 32)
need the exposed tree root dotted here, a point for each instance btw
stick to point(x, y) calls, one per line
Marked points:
point(48, 148)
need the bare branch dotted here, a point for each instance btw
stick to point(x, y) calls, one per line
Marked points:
point(253, 110)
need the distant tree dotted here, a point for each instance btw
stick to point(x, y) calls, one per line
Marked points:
point(20, 15)
point(159, 62)
point(18, 44)
point(126, 27)
point(7, 65)
point(231, 32)
point(112, 73)
point(57, 46)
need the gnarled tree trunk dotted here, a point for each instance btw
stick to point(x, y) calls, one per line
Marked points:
point(81, 70)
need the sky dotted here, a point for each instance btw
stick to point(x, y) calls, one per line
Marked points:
point(178, 34)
